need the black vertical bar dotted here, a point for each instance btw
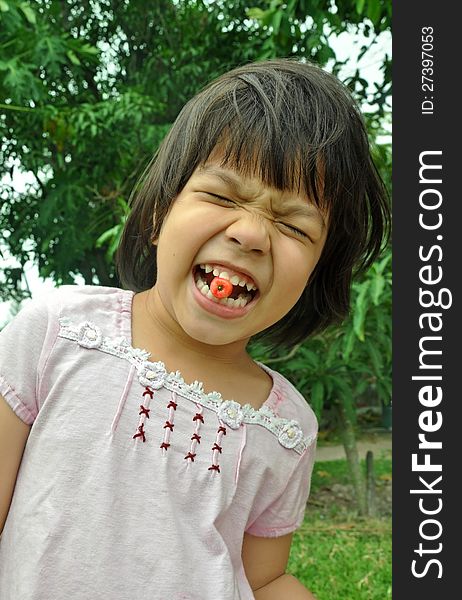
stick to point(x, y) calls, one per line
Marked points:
point(427, 267)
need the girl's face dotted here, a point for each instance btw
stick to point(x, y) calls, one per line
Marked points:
point(224, 223)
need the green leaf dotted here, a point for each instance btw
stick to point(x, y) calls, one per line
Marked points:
point(107, 235)
point(276, 20)
point(333, 352)
point(359, 316)
point(375, 357)
point(88, 49)
point(325, 53)
point(383, 388)
point(329, 386)
point(255, 13)
point(348, 343)
point(73, 58)
point(361, 386)
point(317, 397)
point(4, 6)
point(378, 284)
point(340, 387)
point(28, 13)
point(374, 11)
point(310, 357)
point(264, 16)
point(360, 6)
point(299, 365)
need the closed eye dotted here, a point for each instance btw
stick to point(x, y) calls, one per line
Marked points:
point(295, 230)
point(222, 198)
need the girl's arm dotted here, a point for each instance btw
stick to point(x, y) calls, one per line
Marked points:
point(265, 562)
point(13, 437)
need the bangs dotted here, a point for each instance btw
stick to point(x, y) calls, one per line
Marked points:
point(283, 166)
point(254, 129)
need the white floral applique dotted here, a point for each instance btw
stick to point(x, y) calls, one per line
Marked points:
point(89, 335)
point(290, 435)
point(153, 375)
point(231, 413)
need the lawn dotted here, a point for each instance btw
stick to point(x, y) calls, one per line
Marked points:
point(336, 554)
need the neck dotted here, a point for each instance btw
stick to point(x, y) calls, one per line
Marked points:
point(171, 340)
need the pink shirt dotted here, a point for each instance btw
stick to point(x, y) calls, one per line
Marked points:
point(134, 484)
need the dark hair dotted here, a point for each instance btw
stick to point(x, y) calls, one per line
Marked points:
point(296, 127)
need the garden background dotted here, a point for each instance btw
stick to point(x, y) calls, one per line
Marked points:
point(87, 91)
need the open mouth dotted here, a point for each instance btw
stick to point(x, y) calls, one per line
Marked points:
point(244, 290)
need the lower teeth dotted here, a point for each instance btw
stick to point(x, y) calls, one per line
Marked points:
point(239, 302)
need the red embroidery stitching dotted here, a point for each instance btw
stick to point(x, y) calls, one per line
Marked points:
point(141, 433)
point(169, 425)
point(148, 392)
point(144, 411)
point(217, 448)
point(195, 438)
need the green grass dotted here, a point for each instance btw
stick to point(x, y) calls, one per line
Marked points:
point(337, 555)
point(326, 473)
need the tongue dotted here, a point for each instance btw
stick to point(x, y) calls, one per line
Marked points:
point(221, 288)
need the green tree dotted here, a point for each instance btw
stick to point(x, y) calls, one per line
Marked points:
point(87, 91)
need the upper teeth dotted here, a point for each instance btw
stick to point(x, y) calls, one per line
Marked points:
point(233, 278)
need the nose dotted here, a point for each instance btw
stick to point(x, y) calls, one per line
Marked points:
point(250, 233)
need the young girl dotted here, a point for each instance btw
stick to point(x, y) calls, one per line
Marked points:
point(160, 461)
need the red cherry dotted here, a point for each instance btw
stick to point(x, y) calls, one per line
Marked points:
point(221, 288)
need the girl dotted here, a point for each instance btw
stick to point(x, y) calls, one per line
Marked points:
point(160, 461)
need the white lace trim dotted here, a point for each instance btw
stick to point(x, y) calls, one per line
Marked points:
point(155, 376)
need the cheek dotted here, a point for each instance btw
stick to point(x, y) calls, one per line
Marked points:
point(295, 269)
point(293, 289)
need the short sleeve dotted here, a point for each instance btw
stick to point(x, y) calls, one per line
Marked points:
point(285, 514)
point(25, 344)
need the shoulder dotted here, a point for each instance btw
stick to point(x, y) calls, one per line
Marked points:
point(288, 403)
point(109, 308)
point(79, 302)
point(102, 305)
point(88, 297)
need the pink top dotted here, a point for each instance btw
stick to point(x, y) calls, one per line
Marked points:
point(134, 484)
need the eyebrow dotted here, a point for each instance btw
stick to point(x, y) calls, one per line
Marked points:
point(227, 177)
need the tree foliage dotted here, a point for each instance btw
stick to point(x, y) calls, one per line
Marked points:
point(89, 88)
